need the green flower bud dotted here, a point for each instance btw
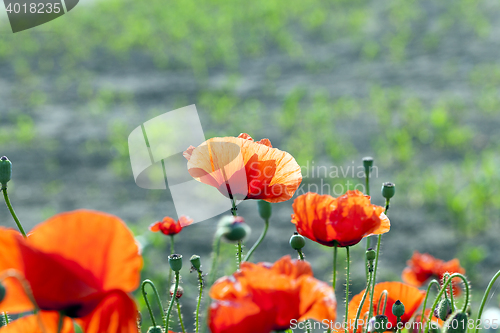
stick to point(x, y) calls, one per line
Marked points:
point(398, 309)
point(175, 262)
point(233, 228)
point(155, 329)
point(388, 190)
point(195, 262)
point(180, 291)
point(367, 163)
point(443, 309)
point(297, 241)
point(5, 170)
point(456, 323)
point(265, 209)
point(3, 292)
point(380, 324)
point(370, 254)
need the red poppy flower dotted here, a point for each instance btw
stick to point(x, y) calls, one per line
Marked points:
point(263, 297)
point(422, 267)
point(169, 227)
point(341, 221)
point(82, 264)
point(410, 296)
point(244, 169)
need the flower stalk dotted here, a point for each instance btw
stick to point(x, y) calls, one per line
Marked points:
point(158, 299)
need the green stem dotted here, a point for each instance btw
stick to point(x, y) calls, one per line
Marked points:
point(261, 238)
point(12, 212)
point(6, 317)
point(200, 280)
point(158, 299)
point(447, 276)
point(215, 257)
point(301, 255)
point(172, 300)
point(239, 254)
point(374, 279)
point(171, 252)
point(180, 315)
point(440, 294)
point(367, 273)
point(485, 297)
point(60, 323)
point(433, 282)
point(367, 184)
point(384, 296)
point(334, 282)
point(398, 320)
point(363, 298)
point(234, 211)
point(348, 259)
point(379, 239)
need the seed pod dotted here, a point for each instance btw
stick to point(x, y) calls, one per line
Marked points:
point(297, 242)
point(175, 262)
point(456, 323)
point(5, 170)
point(195, 262)
point(388, 190)
point(398, 308)
point(155, 329)
point(443, 309)
point(265, 209)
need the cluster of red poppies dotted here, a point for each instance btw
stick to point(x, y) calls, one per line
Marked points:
point(80, 267)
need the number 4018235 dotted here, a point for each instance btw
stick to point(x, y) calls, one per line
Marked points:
point(40, 8)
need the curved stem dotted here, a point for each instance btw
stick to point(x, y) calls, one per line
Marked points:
point(433, 282)
point(172, 300)
point(200, 280)
point(145, 296)
point(384, 296)
point(334, 282)
point(12, 212)
point(348, 259)
point(447, 276)
point(257, 243)
point(180, 315)
point(301, 255)
point(440, 294)
point(485, 296)
point(363, 298)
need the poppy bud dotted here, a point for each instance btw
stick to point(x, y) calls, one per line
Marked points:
point(155, 329)
point(443, 310)
point(367, 163)
point(456, 323)
point(3, 291)
point(180, 291)
point(370, 254)
point(175, 262)
point(233, 228)
point(195, 262)
point(398, 309)
point(265, 209)
point(297, 241)
point(5, 171)
point(378, 324)
point(388, 190)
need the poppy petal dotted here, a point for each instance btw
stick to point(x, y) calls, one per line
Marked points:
point(317, 300)
point(15, 299)
point(242, 316)
point(33, 324)
point(100, 243)
point(117, 313)
point(385, 226)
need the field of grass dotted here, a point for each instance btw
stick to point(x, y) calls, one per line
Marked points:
point(415, 84)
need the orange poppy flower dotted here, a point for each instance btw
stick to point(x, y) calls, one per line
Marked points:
point(341, 221)
point(263, 297)
point(241, 168)
point(410, 296)
point(82, 264)
point(169, 227)
point(34, 323)
point(422, 267)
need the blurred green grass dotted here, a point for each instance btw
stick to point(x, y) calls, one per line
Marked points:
point(421, 93)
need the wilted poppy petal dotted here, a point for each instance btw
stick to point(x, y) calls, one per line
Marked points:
point(34, 323)
point(100, 243)
point(117, 313)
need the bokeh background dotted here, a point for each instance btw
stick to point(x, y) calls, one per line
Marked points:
point(412, 83)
